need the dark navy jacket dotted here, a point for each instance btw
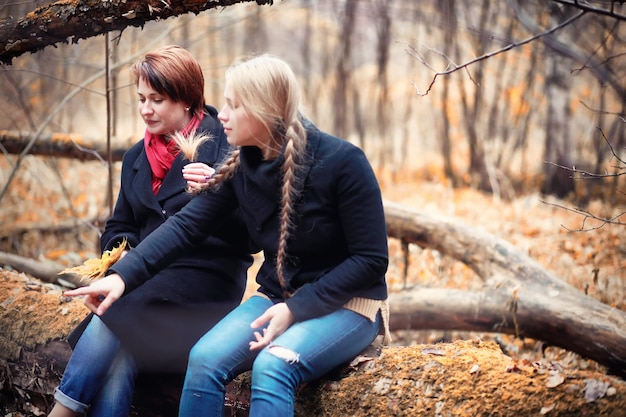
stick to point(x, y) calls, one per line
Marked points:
point(337, 250)
point(182, 297)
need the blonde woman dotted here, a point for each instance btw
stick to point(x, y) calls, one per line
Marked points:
point(311, 202)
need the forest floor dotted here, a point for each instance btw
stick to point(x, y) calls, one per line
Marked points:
point(593, 261)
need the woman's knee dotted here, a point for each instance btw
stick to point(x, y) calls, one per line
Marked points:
point(97, 326)
point(199, 355)
point(275, 362)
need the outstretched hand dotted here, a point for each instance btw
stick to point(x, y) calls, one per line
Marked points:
point(100, 294)
point(279, 317)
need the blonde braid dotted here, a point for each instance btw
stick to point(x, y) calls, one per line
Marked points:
point(225, 171)
point(293, 147)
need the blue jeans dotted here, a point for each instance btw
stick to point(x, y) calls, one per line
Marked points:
point(306, 351)
point(100, 377)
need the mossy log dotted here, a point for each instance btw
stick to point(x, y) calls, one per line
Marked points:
point(472, 377)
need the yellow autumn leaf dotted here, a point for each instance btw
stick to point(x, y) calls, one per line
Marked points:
point(95, 268)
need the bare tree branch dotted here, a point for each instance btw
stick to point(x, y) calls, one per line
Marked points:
point(578, 174)
point(583, 175)
point(621, 116)
point(413, 52)
point(69, 21)
point(571, 51)
point(588, 216)
point(585, 6)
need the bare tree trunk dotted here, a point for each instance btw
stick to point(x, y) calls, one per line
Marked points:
point(343, 69)
point(472, 105)
point(499, 127)
point(522, 119)
point(256, 33)
point(558, 181)
point(384, 106)
point(447, 11)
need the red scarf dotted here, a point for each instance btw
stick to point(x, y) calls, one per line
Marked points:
point(162, 152)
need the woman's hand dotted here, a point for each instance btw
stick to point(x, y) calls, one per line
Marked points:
point(279, 317)
point(197, 174)
point(100, 294)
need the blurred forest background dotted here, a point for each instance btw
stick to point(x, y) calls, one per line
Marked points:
point(508, 98)
point(509, 115)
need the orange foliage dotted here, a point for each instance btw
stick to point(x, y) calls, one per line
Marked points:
point(56, 254)
point(515, 96)
point(79, 199)
point(452, 113)
point(95, 268)
point(28, 217)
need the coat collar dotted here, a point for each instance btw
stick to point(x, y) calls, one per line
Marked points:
point(174, 183)
point(262, 180)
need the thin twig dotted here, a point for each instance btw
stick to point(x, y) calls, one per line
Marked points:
point(621, 116)
point(491, 54)
point(584, 6)
point(594, 175)
point(608, 143)
point(587, 215)
point(585, 174)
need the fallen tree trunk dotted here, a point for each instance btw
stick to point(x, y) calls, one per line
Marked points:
point(519, 296)
point(591, 329)
point(59, 145)
point(46, 271)
point(460, 378)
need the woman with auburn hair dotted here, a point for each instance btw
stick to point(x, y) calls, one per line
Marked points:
point(312, 203)
point(152, 328)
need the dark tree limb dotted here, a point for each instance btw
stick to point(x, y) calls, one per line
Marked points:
point(58, 145)
point(493, 259)
point(591, 329)
point(69, 21)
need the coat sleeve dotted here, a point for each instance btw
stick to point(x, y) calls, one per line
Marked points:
point(187, 228)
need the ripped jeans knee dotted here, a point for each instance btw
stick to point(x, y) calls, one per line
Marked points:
point(287, 355)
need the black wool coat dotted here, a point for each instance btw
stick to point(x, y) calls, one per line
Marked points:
point(338, 246)
point(160, 320)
